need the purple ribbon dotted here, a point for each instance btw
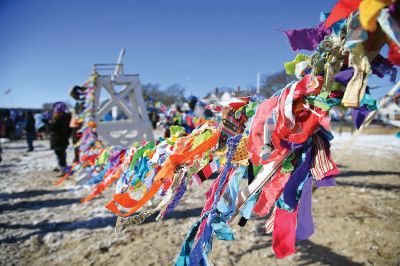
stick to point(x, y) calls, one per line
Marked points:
point(359, 114)
point(290, 190)
point(328, 181)
point(305, 223)
point(179, 194)
point(343, 77)
point(381, 67)
point(394, 10)
point(291, 145)
point(307, 39)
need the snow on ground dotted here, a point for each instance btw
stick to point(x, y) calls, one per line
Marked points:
point(369, 145)
point(40, 224)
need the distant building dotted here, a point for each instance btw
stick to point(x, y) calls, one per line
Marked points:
point(390, 111)
point(220, 96)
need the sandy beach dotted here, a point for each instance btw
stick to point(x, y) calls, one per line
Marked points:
point(357, 222)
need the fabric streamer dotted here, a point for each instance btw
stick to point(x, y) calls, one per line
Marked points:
point(307, 39)
point(341, 10)
point(284, 234)
point(305, 223)
point(265, 154)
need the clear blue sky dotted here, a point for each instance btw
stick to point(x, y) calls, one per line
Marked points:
point(46, 46)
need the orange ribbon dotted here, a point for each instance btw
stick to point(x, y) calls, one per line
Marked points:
point(182, 154)
point(66, 175)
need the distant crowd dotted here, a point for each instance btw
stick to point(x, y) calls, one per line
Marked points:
point(13, 123)
point(57, 125)
point(189, 114)
point(60, 124)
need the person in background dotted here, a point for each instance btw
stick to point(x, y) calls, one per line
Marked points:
point(152, 111)
point(20, 122)
point(154, 117)
point(46, 118)
point(40, 126)
point(2, 127)
point(9, 128)
point(30, 131)
point(12, 125)
point(192, 103)
point(78, 93)
point(59, 134)
point(2, 132)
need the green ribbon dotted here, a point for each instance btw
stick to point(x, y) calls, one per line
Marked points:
point(290, 67)
point(287, 165)
point(139, 153)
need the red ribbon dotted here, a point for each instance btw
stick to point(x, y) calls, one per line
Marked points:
point(284, 234)
point(270, 193)
point(341, 10)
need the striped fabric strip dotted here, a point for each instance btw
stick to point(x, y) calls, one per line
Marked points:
point(269, 224)
point(322, 164)
point(206, 172)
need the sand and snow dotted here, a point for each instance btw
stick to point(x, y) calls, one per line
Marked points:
point(356, 222)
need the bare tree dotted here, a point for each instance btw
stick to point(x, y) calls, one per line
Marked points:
point(270, 84)
point(172, 94)
point(274, 82)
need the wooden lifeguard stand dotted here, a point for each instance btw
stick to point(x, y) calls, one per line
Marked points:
point(122, 118)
